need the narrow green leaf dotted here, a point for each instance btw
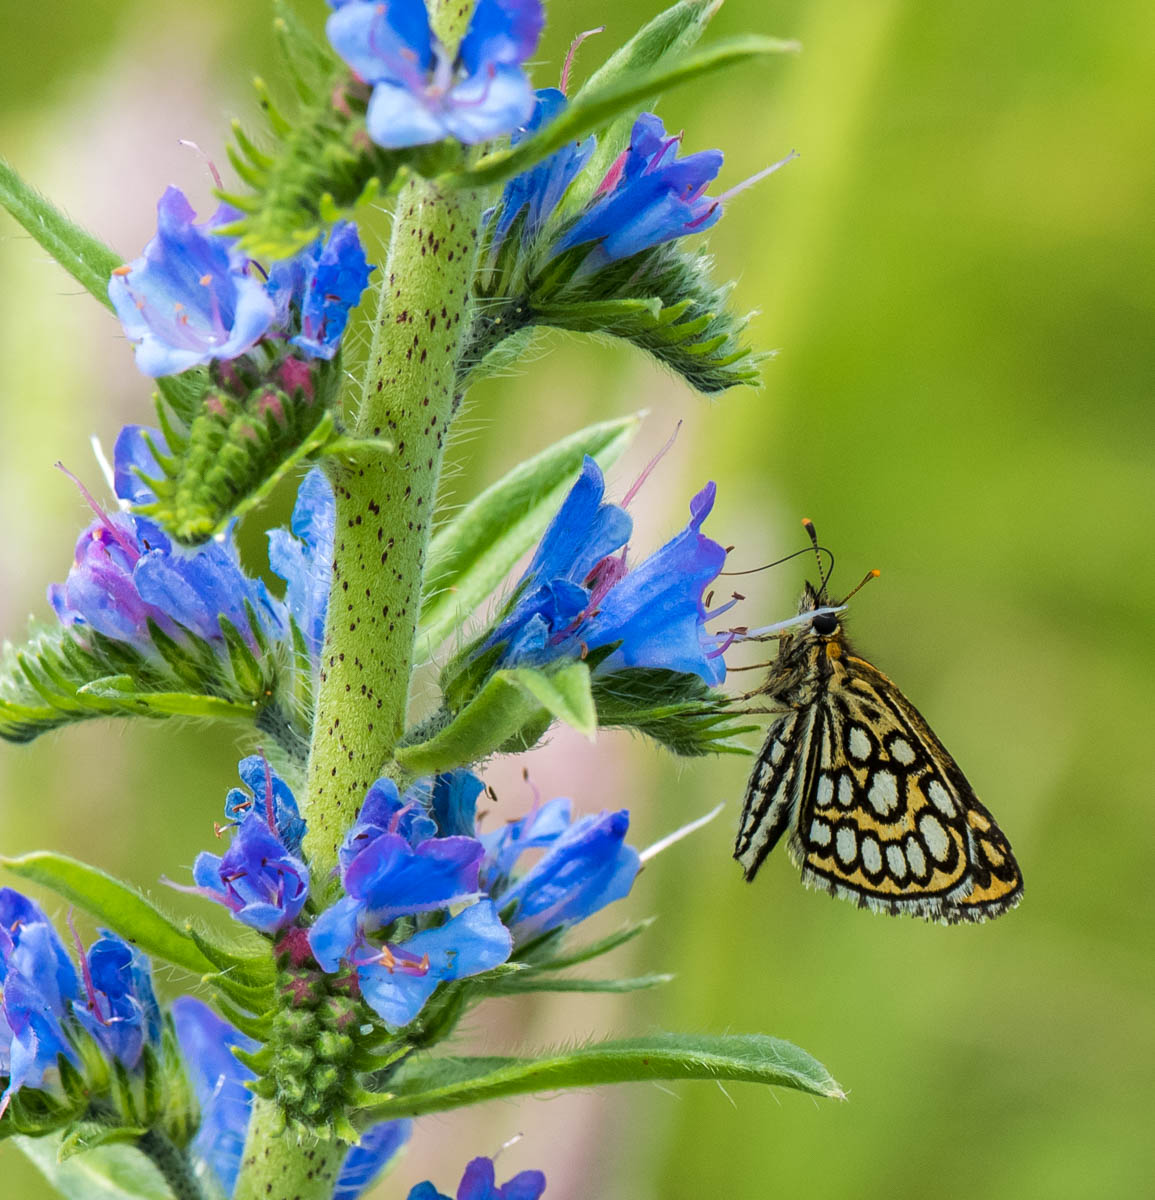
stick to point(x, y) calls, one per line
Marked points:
point(531, 981)
point(86, 259)
point(472, 553)
point(596, 108)
point(581, 954)
point(107, 1173)
point(122, 689)
point(565, 693)
point(113, 903)
point(425, 1085)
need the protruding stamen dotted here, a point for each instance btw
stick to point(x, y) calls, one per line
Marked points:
point(117, 535)
point(670, 838)
point(85, 970)
point(564, 84)
point(650, 466)
point(756, 178)
point(212, 166)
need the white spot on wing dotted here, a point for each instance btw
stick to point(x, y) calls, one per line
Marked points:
point(902, 751)
point(845, 844)
point(858, 743)
point(896, 860)
point(883, 794)
point(825, 790)
point(819, 832)
point(777, 752)
point(871, 855)
point(845, 790)
point(941, 799)
point(936, 837)
point(915, 857)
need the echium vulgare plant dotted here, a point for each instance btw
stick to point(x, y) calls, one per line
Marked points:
point(373, 911)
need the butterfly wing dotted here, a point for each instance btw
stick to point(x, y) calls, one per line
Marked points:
point(885, 817)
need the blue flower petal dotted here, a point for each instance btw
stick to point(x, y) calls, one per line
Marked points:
point(304, 558)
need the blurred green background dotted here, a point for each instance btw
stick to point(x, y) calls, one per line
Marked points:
point(958, 272)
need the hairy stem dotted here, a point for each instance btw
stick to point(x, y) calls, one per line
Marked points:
point(279, 1166)
point(172, 1163)
point(385, 508)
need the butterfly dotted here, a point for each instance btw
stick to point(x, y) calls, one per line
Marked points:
point(874, 807)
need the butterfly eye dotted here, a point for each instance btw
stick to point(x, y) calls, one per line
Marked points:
point(825, 624)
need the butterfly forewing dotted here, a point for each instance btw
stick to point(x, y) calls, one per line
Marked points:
point(876, 809)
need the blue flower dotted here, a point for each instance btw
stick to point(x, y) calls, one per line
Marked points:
point(315, 289)
point(266, 787)
point(397, 979)
point(420, 95)
point(225, 1103)
point(121, 1012)
point(539, 190)
point(586, 865)
point(479, 1183)
point(194, 298)
point(392, 869)
point(647, 197)
point(257, 879)
point(191, 297)
point(578, 594)
point(304, 558)
point(38, 983)
point(127, 573)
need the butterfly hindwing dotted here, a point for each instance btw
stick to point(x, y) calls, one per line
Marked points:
point(888, 819)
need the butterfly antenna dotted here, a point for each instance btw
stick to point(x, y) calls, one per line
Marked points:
point(823, 575)
point(866, 579)
point(778, 562)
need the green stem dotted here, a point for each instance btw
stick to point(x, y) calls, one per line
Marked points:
point(279, 1166)
point(172, 1163)
point(385, 506)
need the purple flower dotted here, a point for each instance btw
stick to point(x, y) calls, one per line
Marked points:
point(579, 594)
point(586, 865)
point(37, 986)
point(392, 869)
point(539, 190)
point(225, 1103)
point(315, 289)
point(257, 879)
point(194, 297)
point(191, 297)
point(126, 572)
point(647, 197)
point(269, 796)
point(304, 558)
point(121, 1012)
point(420, 95)
point(397, 979)
point(479, 1183)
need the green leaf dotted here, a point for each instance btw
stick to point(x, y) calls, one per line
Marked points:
point(115, 904)
point(425, 1085)
point(672, 32)
point(531, 981)
point(565, 693)
point(495, 716)
point(122, 690)
point(593, 109)
point(86, 259)
point(108, 1173)
point(473, 553)
point(591, 950)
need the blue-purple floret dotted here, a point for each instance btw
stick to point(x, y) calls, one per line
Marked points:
point(315, 290)
point(649, 196)
point(585, 865)
point(480, 1183)
point(304, 558)
point(46, 1004)
point(225, 1103)
point(391, 869)
point(539, 190)
point(579, 595)
point(420, 94)
point(263, 786)
point(256, 879)
point(194, 297)
point(126, 571)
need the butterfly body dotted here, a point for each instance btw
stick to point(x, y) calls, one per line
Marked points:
point(874, 807)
